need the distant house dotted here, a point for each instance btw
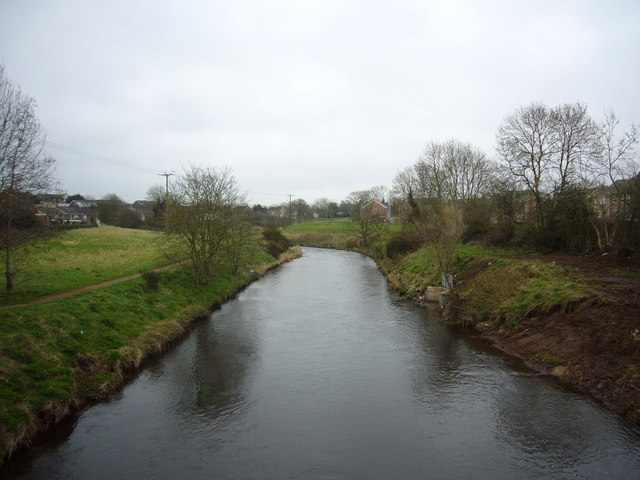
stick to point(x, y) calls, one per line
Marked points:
point(83, 204)
point(375, 211)
point(607, 200)
point(73, 213)
point(45, 213)
point(143, 208)
point(68, 215)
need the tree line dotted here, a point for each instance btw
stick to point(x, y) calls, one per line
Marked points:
point(559, 180)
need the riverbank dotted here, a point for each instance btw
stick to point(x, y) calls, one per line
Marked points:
point(59, 356)
point(574, 317)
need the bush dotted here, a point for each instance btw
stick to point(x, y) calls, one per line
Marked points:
point(400, 245)
point(276, 242)
point(152, 280)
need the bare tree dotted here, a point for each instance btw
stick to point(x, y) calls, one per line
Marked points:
point(526, 144)
point(575, 137)
point(239, 242)
point(450, 171)
point(24, 167)
point(616, 156)
point(204, 208)
point(616, 164)
point(300, 209)
point(321, 207)
point(379, 193)
point(404, 183)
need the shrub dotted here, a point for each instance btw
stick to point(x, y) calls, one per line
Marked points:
point(152, 280)
point(276, 242)
point(400, 245)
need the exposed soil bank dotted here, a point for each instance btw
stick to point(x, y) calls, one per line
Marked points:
point(595, 348)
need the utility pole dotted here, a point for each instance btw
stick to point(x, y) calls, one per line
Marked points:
point(166, 176)
point(289, 195)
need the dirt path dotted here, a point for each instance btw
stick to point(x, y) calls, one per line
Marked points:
point(88, 288)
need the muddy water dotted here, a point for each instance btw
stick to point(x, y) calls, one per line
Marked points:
point(319, 372)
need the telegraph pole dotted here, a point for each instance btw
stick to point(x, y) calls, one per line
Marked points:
point(289, 195)
point(166, 176)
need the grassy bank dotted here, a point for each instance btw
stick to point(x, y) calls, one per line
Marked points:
point(56, 356)
point(82, 257)
point(492, 286)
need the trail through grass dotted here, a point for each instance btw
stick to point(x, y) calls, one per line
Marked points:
point(78, 258)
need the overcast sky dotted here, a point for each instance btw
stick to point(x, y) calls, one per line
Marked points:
point(313, 98)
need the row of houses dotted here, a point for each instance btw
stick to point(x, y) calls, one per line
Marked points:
point(605, 200)
point(53, 210)
point(75, 212)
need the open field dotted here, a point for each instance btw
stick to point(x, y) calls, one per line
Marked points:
point(339, 233)
point(78, 258)
point(332, 225)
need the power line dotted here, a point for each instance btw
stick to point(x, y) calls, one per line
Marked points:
point(100, 158)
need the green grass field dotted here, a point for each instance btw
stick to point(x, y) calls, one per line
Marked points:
point(78, 258)
point(339, 233)
point(332, 225)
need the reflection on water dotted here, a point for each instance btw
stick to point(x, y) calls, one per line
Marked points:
point(318, 371)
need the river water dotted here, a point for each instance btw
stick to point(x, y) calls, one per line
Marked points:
point(318, 371)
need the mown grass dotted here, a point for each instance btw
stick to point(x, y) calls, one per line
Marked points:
point(55, 355)
point(78, 258)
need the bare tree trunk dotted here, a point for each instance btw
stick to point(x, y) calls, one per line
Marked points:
point(8, 270)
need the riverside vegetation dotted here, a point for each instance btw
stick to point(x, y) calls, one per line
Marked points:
point(575, 317)
point(57, 356)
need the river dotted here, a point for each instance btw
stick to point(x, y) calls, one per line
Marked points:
point(319, 371)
